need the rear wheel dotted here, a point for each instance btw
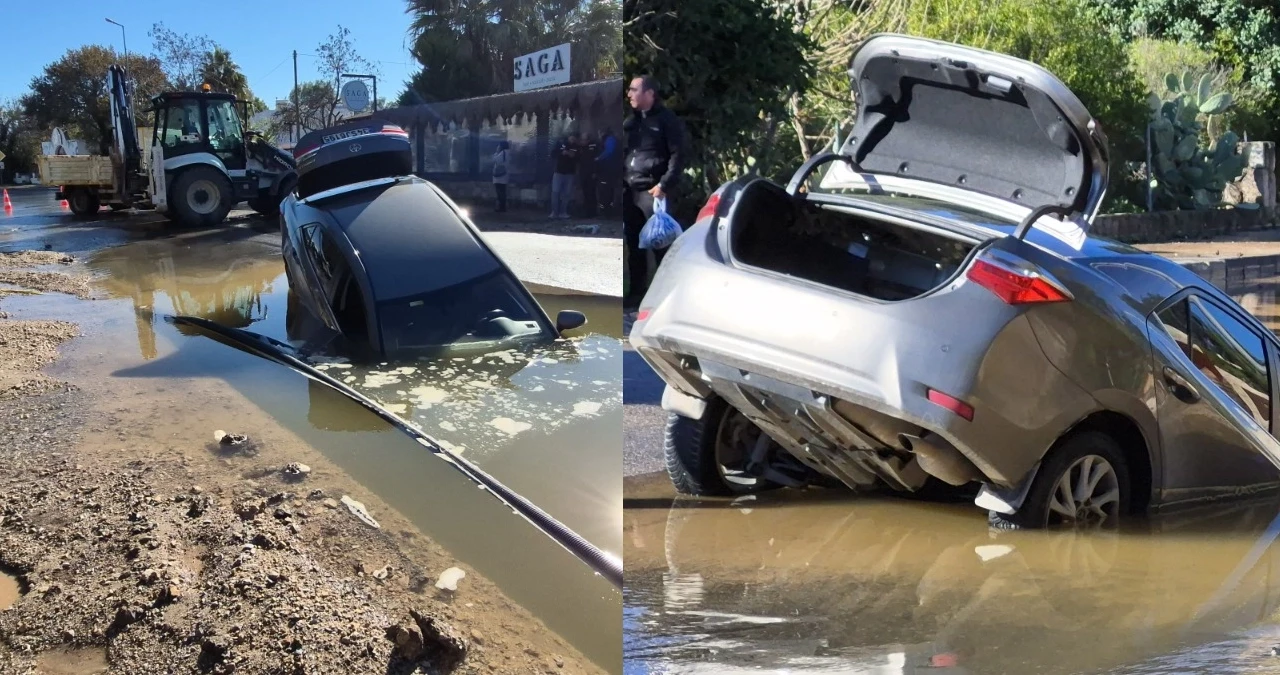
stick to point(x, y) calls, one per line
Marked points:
point(201, 196)
point(84, 203)
point(269, 205)
point(1083, 483)
point(709, 456)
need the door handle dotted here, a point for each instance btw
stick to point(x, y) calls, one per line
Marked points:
point(1179, 386)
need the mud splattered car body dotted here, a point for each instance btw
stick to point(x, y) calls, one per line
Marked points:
point(919, 316)
point(388, 261)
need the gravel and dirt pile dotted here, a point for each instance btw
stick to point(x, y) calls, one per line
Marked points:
point(226, 558)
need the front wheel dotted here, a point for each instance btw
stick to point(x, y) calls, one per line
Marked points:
point(710, 456)
point(200, 197)
point(1083, 483)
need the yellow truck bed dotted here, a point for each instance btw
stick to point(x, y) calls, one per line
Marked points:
point(79, 170)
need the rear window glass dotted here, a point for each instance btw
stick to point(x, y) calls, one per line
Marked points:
point(335, 170)
point(489, 308)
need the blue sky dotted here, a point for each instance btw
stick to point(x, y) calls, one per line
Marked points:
point(260, 36)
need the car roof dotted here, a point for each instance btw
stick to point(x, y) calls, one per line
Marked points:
point(426, 248)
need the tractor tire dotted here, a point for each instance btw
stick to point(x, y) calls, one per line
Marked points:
point(201, 197)
point(269, 205)
point(84, 203)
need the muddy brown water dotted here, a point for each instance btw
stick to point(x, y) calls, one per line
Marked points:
point(9, 590)
point(825, 583)
point(569, 464)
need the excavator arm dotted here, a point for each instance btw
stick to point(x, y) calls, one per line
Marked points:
point(127, 149)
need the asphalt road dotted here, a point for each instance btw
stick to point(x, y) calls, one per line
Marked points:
point(588, 265)
point(643, 419)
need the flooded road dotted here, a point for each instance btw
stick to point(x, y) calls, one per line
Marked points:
point(824, 582)
point(567, 464)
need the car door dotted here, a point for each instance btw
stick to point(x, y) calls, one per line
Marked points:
point(1216, 376)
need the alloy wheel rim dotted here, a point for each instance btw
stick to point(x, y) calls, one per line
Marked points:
point(1087, 493)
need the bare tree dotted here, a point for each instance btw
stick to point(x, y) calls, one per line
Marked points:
point(182, 55)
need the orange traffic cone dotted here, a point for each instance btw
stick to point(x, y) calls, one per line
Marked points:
point(8, 205)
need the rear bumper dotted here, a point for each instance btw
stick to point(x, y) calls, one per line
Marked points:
point(848, 377)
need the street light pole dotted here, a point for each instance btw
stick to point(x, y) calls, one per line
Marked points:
point(123, 37)
point(127, 85)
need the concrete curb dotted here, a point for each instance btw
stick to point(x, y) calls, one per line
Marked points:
point(543, 289)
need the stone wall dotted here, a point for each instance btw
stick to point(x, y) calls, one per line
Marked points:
point(1237, 275)
point(1162, 226)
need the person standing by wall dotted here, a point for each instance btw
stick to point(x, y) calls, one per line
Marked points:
point(654, 164)
point(500, 174)
point(608, 170)
point(587, 179)
point(566, 169)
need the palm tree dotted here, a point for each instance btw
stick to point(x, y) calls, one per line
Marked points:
point(467, 47)
point(223, 75)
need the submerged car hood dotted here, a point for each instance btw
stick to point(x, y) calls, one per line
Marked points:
point(989, 124)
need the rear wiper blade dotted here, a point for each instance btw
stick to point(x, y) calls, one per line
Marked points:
point(604, 564)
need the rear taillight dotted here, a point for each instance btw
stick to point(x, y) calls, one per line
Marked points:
point(709, 209)
point(643, 314)
point(951, 403)
point(1014, 287)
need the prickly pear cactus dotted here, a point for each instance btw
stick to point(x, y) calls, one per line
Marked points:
point(1185, 175)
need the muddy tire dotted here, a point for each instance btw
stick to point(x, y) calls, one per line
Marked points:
point(692, 457)
point(1085, 475)
point(200, 197)
point(84, 203)
point(269, 205)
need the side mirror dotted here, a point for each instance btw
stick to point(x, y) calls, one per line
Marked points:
point(569, 319)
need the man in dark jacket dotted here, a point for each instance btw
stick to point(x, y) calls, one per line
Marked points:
point(654, 164)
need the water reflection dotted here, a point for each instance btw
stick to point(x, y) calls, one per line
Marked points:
point(799, 584)
point(569, 466)
point(227, 289)
point(549, 411)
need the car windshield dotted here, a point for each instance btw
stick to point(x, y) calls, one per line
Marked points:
point(489, 309)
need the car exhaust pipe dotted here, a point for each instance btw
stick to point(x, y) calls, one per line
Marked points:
point(940, 458)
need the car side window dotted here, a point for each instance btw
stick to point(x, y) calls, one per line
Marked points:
point(1176, 325)
point(1232, 355)
point(312, 239)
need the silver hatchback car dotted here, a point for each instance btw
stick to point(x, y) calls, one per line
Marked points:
point(928, 310)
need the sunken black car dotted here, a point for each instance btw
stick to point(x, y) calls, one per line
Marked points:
point(386, 264)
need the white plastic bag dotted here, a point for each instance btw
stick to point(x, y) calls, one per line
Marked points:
point(661, 230)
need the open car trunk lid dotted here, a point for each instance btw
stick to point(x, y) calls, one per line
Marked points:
point(987, 124)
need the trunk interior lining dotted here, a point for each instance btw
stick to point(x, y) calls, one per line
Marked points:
point(824, 244)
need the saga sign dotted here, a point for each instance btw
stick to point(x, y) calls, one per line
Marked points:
point(546, 68)
point(355, 95)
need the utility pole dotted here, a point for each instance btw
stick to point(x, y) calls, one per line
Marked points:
point(297, 116)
